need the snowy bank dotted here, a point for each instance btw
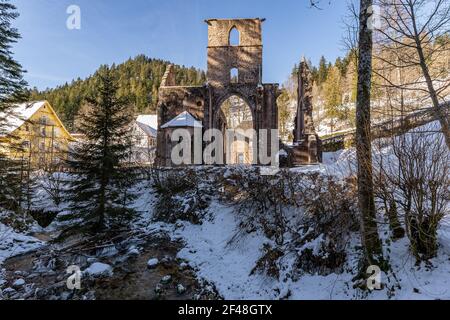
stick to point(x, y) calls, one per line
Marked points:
point(13, 243)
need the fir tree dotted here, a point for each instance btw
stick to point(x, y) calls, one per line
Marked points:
point(332, 92)
point(323, 71)
point(98, 190)
point(12, 90)
point(12, 85)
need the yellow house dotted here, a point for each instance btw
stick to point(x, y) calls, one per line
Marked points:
point(35, 135)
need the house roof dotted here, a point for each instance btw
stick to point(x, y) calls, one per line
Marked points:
point(21, 113)
point(18, 114)
point(148, 124)
point(184, 119)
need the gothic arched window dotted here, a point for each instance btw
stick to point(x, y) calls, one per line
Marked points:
point(235, 37)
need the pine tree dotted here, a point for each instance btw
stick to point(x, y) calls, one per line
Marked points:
point(98, 190)
point(323, 71)
point(333, 94)
point(12, 90)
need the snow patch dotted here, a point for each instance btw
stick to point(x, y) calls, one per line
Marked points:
point(99, 269)
point(226, 263)
point(13, 243)
point(152, 263)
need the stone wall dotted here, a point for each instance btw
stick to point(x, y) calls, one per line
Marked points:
point(205, 102)
point(246, 57)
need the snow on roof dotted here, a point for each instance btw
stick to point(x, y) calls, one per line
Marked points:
point(184, 119)
point(148, 124)
point(20, 113)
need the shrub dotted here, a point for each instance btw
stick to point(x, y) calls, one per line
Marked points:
point(181, 195)
point(269, 262)
point(311, 215)
point(261, 202)
point(416, 179)
point(329, 220)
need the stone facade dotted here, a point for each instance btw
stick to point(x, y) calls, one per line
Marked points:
point(204, 102)
point(246, 57)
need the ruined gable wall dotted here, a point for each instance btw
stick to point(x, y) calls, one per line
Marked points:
point(247, 57)
point(173, 100)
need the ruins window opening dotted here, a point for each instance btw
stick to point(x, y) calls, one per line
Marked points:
point(236, 117)
point(234, 75)
point(234, 37)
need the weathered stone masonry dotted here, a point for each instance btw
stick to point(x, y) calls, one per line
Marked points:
point(204, 102)
point(307, 147)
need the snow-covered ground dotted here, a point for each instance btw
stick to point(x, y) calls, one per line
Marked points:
point(228, 265)
point(14, 243)
point(218, 256)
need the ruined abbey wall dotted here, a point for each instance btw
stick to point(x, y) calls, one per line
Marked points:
point(204, 102)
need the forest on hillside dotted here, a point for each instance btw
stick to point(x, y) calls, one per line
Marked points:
point(138, 79)
point(395, 83)
point(334, 89)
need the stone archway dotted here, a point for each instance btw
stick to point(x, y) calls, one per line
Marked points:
point(235, 118)
point(225, 94)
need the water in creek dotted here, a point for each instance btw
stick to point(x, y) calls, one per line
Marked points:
point(44, 272)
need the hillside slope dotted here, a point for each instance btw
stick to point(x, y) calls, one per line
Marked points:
point(139, 78)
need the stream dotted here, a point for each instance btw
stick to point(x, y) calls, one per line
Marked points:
point(42, 274)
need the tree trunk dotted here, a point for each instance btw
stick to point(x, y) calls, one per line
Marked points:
point(394, 223)
point(438, 111)
point(101, 205)
point(369, 229)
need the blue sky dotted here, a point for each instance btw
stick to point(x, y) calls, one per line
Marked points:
point(113, 31)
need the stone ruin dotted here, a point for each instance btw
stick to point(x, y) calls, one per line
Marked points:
point(233, 70)
point(307, 147)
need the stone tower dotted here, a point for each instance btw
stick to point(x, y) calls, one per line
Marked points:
point(246, 56)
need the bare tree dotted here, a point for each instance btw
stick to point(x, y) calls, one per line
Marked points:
point(360, 37)
point(351, 28)
point(53, 183)
point(369, 228)
point(413, 182)
point(314, 4)
point(410, 45)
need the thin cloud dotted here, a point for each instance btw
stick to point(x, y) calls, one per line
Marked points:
point(47, 77)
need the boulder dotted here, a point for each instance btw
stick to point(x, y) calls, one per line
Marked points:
point(181, 289)
point(19, 283)
point(8, 292)
point(99, 269)
point(152, 263)
point(166, 279)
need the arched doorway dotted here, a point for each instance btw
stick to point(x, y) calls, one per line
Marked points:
point(236, 123)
